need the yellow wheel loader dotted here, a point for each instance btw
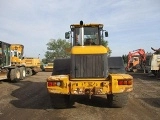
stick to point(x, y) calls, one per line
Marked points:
point(89, 70)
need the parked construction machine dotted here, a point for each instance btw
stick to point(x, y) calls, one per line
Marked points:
point(30, 65)
point(155, 63)
point(48, 67)
point(7, 71)
point(13, 65)
point(89, 70)
point(136, 60)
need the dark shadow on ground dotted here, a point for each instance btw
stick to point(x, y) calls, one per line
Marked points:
point(155, 102)
point(5, 80)
point(95, 101)
point(31, 95)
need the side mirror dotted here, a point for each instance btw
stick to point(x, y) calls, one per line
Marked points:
point(106, 34)
point(67, 35)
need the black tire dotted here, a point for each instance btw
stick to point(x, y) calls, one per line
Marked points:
point(154, 72)
point(138, 67)
point(23, 73)
point(158, 75)
point(33, 72)
point(118, 100)
point(61, 101)
point(14, 75)
point(146, 71)
point(29, 72)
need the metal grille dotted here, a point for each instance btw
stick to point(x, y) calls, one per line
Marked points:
point(88, 66)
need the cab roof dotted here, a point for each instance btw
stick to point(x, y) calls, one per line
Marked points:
point(87, 25)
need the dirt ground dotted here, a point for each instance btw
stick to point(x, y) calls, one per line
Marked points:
point(29, 100)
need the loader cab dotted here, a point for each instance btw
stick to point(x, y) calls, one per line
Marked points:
point(87, 60)
point(86, 34)
point(4, 54)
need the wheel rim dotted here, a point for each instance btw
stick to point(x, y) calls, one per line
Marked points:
point(24, 73)
point(18, 74)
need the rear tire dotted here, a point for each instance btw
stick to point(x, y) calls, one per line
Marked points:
point(118, 100)
point(158, 76)
point(33, 72)
point(29, 72)
point(60, 101)
point(154, 72)
point(23, 73)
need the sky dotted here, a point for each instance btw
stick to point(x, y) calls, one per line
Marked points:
point(131, 24)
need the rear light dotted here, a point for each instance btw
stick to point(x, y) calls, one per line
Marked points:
point(129, 82)
point(50, 84)
point(54, 83)
point(120, 82)
point(124, 82)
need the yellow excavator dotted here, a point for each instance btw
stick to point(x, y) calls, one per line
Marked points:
point(89, 70)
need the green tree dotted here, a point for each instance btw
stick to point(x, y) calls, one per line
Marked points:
point(56, 49)
point(44, 61)
point(105, 44)
point(125, 58)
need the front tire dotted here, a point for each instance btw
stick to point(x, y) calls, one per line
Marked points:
point(14, 75)
point(118, 100)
